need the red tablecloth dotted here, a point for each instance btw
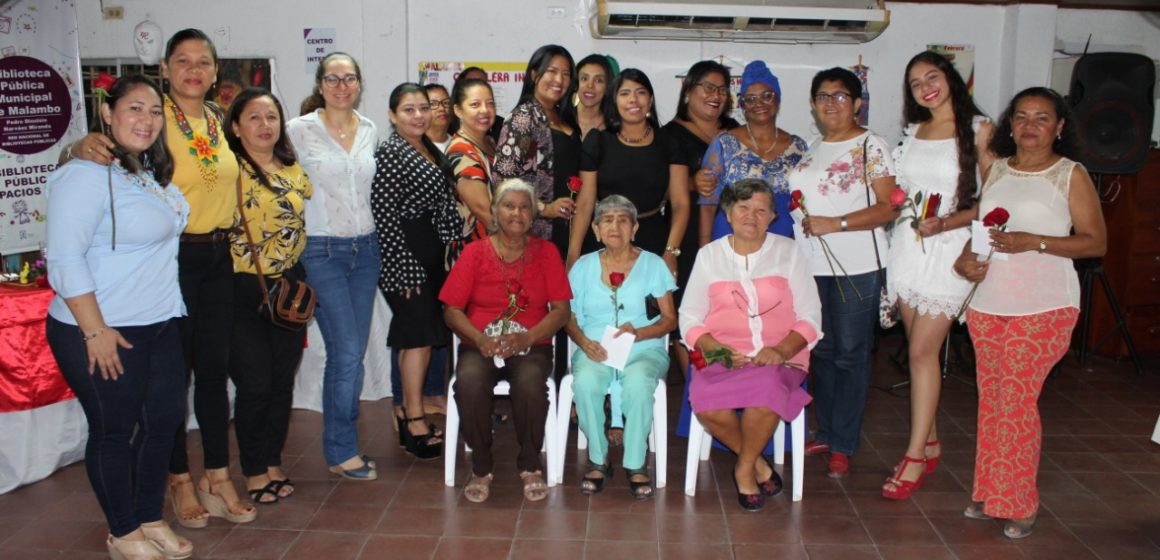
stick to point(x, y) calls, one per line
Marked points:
point(29, 377)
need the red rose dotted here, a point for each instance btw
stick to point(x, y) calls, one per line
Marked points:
point(697, 359)
point(522, 301)
point(104, 82)
point(616, 279)
point(897, 197)
point(932, 203)
point(574, 184)
point(996, 218)
point(796, 196)
point(514, 287)
point(42, 281)
point(794, 205)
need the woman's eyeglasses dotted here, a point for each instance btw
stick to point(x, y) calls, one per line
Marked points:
point(764, 97)
point(743, 304)
point(332, 80)
point(712, 88)
point(445, 104)
point(839, 97)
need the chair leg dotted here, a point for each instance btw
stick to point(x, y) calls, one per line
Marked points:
point(551, 434)
point(779, 443)
point(450, 436)
point(660, 433)
point(694, 456)
point(563, 420)
point(797, 430)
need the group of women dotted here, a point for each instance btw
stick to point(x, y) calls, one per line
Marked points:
point(576, 216)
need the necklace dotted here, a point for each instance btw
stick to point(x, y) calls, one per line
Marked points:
point(756, 147)
point(342, 129)
point(203, 148)
point(627, 140)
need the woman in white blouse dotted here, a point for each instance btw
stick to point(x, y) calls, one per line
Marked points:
point(336, 147)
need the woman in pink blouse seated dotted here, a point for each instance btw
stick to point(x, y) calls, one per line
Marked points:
point(751, 294)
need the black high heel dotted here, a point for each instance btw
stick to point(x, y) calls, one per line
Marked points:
point(401, 426)
point(420, 446)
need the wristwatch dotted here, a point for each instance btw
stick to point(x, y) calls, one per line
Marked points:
point(674, 251)
point(844, 224)
point(1042, 245)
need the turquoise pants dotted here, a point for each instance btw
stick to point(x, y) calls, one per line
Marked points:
point(592, 380)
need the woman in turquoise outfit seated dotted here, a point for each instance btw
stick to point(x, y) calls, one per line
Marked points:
point(616, 287)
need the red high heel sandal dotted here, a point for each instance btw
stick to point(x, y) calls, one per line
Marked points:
point(932, 462)
point(904, 488)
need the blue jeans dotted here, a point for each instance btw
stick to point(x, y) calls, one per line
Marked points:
point(344, 272)
point(131, 419)
point(840, 363)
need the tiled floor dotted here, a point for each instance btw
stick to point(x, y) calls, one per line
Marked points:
point(1100, 484)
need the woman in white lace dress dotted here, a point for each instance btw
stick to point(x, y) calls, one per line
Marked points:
point(943, 151)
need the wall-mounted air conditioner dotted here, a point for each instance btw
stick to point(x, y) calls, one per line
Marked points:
point(760, 21)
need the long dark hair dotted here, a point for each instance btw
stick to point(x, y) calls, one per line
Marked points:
point(458, 94)
point(696, 73)
point(612, 114)
point(570, 109)
point(407, 88)
point(283, 151)
point(1067, 144)
point(315, 100)
point(155, 159)
point(537, 67)
point(965, 111)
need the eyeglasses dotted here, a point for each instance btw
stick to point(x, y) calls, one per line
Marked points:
point(743, 304)
point(712, 88)
point(332, 80)
point(839, 97)
point(765, 97)
point(446, 104)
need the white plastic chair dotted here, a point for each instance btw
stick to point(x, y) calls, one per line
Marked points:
point(657, 438)
point(700, 443)
point(503, 388)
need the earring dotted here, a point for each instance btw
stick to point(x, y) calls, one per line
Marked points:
point(1059, 136)
point(576, 99)
point(686, 100)
point(1011, 134)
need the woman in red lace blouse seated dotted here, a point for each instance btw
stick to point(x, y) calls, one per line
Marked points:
point(505, 298)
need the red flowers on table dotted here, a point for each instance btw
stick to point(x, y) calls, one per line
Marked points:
point(995, 220)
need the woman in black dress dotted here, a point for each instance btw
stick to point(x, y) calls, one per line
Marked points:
point(704, 107)
point(415, 217)
point(635, 159)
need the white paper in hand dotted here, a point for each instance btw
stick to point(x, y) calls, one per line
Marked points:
point(617, 347)
point(981, 242)
point(809, 245)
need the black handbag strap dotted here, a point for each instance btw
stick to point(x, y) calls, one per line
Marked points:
point(866, 179)
point(250, 243)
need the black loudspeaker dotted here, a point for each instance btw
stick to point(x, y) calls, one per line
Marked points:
point(1112, 102)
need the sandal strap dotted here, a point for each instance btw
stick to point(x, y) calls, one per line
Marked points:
point(602, 469)
point(638, 472)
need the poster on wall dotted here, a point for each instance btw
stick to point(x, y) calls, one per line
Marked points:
point(237, 74)
point(506, 79)
point(41, 109)
point(319, 42)
point(963, 58)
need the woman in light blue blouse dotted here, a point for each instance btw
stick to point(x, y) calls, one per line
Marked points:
point(630, 290)
point(112, 258)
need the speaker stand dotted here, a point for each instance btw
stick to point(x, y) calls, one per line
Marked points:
point(1092, 269)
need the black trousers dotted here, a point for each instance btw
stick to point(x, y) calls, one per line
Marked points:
point(263, 362)
point(476, 377)
point(206, 274)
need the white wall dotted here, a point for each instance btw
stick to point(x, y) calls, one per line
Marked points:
point(1013, 44)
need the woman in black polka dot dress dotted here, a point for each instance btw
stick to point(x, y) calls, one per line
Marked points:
point(415, 217)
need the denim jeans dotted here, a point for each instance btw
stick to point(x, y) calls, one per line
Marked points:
point(131, 419)
point(344, 272)
point(840, 363)
point(206, 274)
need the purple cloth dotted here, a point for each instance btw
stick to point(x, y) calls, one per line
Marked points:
point(777, 388)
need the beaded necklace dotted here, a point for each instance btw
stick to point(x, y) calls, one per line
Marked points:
point(204, 148)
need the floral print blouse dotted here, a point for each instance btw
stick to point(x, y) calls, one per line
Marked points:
point(275, 217)
point(525, 152)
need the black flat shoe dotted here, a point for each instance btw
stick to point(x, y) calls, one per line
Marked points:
point(270, 488)
point(773, 485)
point(591, 485)
point(749, 502)
point(641, 490)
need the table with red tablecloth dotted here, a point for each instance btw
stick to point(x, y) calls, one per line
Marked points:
point(42, 427)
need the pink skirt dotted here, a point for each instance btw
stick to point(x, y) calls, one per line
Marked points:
point(777, 388)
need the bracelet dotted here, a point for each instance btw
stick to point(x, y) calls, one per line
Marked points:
point(844, 224)
point(68, 152)
point(942, 225)
point(88, 337)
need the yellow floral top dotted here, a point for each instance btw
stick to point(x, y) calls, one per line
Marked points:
point(209, 188)
point(276, 218)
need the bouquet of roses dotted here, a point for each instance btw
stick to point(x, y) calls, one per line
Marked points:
point(995, 220)
point(797, 202)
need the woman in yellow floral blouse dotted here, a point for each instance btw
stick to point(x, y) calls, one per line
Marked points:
point(263, 357)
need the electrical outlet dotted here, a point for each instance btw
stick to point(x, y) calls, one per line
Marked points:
point(557, 12)
point(113, 12)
